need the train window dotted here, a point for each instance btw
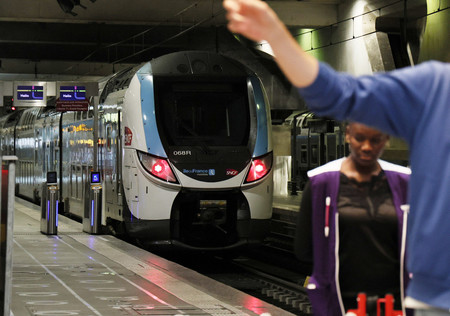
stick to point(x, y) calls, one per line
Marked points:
point(303, 154)
point(25, 119)
point(30, 173)
point(203, 112)
point(24, 172)
point(27, 175)
point(84, 180)
point(19, 174)
point(79, 182)
point(331, 147)
point(314, 154)
point(73, 181)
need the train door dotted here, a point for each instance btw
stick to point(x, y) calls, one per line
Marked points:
point(119, 186)
point(111, 154)
point(46, 147)
point(37, 134)
point(109, 166)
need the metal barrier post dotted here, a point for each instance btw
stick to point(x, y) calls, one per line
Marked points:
point(93, 208)
point(49, 205)
point(6, 231)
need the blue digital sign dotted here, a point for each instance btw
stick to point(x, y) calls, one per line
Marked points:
point(95, 177)
point(30, 93)
point(72, 93)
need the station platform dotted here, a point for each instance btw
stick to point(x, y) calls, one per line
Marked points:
point(284, 219)
point(287, 203)
point(74, 273)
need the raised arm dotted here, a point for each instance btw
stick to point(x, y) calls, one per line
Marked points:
point(257, 21)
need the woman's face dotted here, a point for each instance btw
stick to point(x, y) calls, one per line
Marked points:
point(366, 144)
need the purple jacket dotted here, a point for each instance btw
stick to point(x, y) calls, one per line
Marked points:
point(323, 287)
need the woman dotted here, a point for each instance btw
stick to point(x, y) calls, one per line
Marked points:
point(350, 224)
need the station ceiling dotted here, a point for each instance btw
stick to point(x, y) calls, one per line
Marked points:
point(100, 36)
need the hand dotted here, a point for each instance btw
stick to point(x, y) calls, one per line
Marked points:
point(257, 21)
point(252, 18)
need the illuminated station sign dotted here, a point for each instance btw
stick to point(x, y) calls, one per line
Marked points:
point(72, 93)
point(30, 93)
point(69, 95)
point(72, 98)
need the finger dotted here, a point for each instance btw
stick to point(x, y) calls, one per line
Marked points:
point(231, 5)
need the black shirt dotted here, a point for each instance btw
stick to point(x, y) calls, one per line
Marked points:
point(368, 231)
point(368, 238)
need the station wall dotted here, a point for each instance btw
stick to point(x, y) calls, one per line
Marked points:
point(356, 45)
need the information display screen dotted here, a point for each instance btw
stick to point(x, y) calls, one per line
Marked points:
point(30, 93)
point(95, 177)
point(72, 93)
point(52, 177)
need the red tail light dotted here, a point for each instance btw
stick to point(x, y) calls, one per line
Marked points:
point(259, 168)
point(158, 167)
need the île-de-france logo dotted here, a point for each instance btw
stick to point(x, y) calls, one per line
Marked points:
point(200, 172)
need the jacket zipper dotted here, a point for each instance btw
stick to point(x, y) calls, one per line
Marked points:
point(405, 209)
point(336, 259)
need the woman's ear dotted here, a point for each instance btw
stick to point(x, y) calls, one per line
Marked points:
point(347, 138)
point(388, 143)
point(347, 134)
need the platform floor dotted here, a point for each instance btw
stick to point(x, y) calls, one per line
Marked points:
point(74, 273)
point(287, 203)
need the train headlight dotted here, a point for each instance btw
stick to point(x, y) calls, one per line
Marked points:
point(260, 167)
point(157, 167)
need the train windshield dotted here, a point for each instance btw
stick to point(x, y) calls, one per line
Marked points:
point(203, 113)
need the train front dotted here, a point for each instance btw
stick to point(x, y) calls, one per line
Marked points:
point(197, 153)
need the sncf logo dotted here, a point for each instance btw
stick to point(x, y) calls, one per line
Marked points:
point(128, 136)
point(231, 172)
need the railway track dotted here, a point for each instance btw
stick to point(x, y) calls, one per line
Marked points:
point(279, 282)
point(279, 286)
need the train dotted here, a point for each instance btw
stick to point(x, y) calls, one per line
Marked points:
point(183, 146)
